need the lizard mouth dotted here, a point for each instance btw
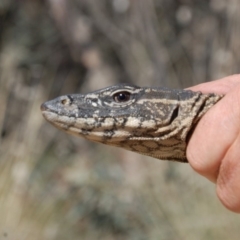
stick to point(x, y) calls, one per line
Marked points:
point(43, 107)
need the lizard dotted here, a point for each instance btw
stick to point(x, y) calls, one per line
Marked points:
point(157, 122)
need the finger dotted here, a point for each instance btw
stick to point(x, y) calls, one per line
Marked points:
point(214, 134)
point(228, 187)
point(221, 86)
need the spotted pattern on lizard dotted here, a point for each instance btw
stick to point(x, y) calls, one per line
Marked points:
point(157, 122)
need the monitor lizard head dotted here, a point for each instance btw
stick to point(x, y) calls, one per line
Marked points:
point(150, 121)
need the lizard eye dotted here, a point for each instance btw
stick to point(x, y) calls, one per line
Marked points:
point(121, 96)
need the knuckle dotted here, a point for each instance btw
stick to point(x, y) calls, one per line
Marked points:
point(228, 198)
point(198, 164)
point(228, 189)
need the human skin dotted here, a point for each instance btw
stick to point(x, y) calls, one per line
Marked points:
point(214, 148)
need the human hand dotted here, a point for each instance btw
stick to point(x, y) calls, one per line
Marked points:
point(214, 148)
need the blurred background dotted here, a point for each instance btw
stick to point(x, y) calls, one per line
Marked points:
point(55, 186)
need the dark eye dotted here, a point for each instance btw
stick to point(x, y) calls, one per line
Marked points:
point(121, 96)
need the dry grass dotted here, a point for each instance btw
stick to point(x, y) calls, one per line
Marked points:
point(54, 186)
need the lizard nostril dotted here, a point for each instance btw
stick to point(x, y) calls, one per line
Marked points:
point(64, 101)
